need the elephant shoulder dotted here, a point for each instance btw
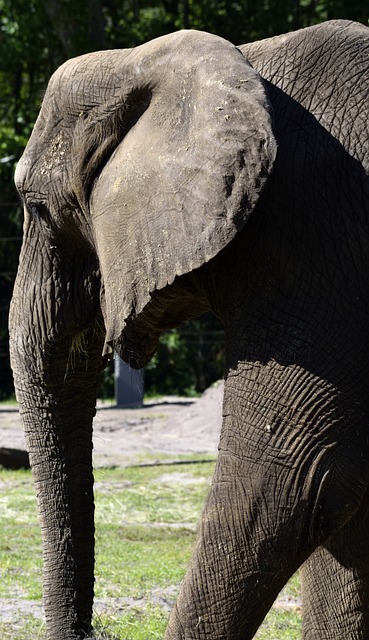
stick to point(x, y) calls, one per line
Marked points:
point(320, 71)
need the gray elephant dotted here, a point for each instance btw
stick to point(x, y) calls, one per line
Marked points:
point(171, 179)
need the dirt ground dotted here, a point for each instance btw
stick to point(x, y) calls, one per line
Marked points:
point(170, 425)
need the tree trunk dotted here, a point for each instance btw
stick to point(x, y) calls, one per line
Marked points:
point(78, 31)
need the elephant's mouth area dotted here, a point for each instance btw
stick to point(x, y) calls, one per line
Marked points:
point(135, 349)
point(167, 308)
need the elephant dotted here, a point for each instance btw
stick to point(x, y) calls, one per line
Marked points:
point(188, 175)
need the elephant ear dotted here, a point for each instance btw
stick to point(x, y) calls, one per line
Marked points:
point(184, 178)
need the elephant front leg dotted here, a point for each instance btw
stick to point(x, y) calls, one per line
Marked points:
point(241, 561)
point(335, 583)
point(280, 489)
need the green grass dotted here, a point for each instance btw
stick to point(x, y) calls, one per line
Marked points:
point(280, 625)
point(145, 528)
point(9, 401)
point(133, 625)
point(20, 539)
point(23, 627)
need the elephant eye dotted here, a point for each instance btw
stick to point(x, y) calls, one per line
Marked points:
point(41, 215)
point(38, 211)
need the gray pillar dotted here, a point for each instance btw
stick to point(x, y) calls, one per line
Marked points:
point(129, 385)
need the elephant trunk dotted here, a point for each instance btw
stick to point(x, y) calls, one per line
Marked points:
point(56, 389)
point(64, 487)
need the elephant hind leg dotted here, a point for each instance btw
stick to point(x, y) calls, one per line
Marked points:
point(335, 583)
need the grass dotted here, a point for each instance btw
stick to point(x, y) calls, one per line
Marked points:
point(20, 539)
point(135, 624)
point(145, 527)
point(9, 401)
point(280, 625)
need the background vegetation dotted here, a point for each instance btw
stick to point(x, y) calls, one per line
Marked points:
point(36, 36)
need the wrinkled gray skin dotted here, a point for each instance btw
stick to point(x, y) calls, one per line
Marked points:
point(138, 184)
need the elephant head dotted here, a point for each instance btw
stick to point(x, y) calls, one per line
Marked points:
point(142, 166)
point(147, 166)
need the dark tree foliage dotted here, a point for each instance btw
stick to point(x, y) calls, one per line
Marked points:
point(36, 36)
point(188, 359)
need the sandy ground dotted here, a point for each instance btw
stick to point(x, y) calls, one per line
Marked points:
point(170, 426)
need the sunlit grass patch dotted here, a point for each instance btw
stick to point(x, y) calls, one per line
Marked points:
point(146, 518)
point(20, 537)
point(158, 494)
point(280, 625)
point(133, 560)
point(23, 628)
point(134, 624)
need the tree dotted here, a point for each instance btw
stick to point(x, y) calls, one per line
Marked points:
point(25, 61)
point(79, 26)
point(188, 359)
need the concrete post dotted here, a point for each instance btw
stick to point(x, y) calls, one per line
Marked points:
point(129, 385)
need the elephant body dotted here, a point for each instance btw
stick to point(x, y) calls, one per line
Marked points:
point(183, 176)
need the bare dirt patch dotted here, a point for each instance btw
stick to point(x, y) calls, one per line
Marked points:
point(170, 426)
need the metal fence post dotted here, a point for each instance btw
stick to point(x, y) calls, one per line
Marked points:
point(129, 385)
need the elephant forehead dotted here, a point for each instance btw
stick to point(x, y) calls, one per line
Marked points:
point(92, 79)
point(180, 69)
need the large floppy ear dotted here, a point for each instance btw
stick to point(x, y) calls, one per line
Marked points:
point(187, 174)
